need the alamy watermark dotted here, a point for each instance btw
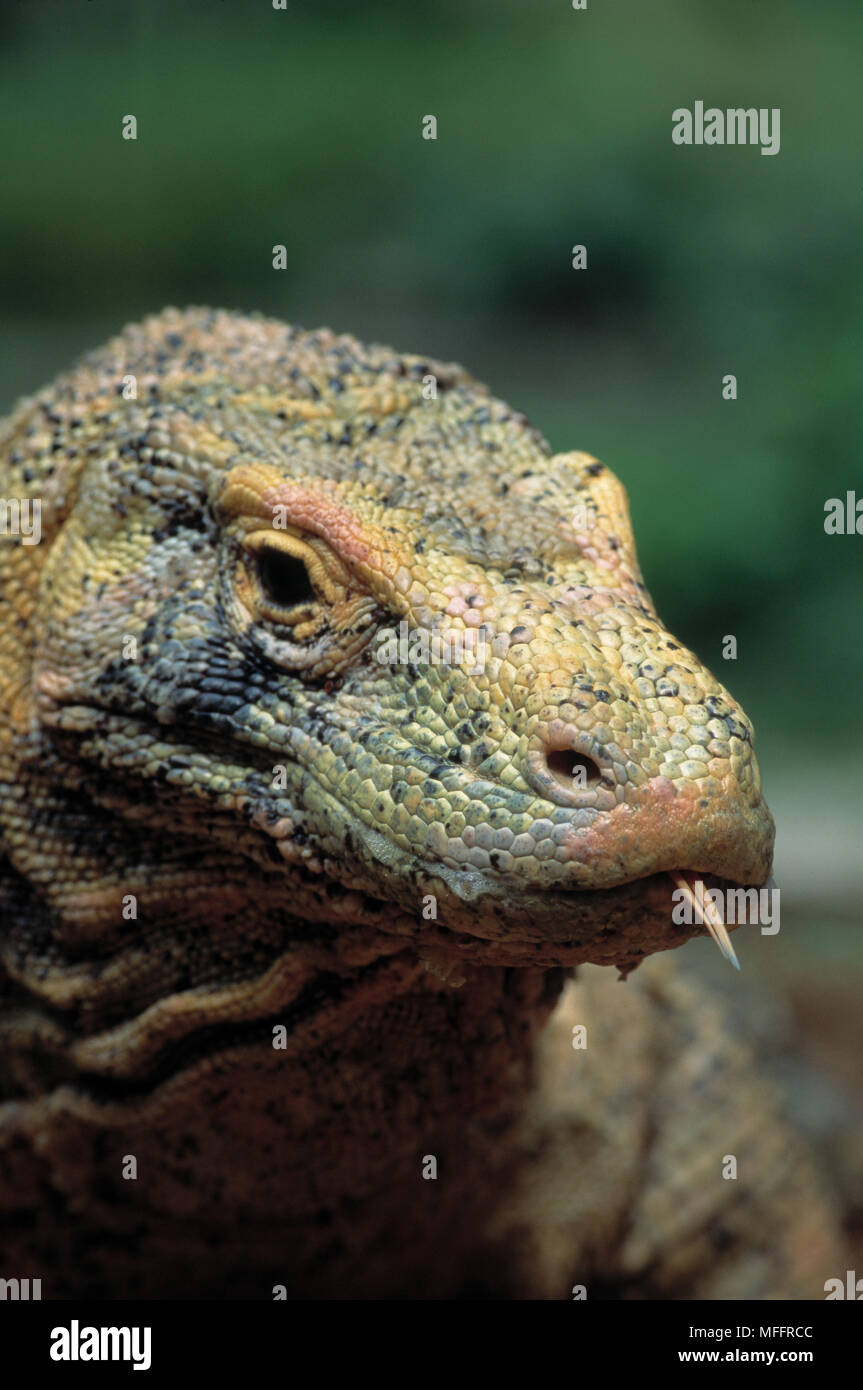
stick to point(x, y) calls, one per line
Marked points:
point(737, 125)
point(759, 906)
point(77, 1343)
point(844, 515)
point(21, 516)
point(848, 1288)
point(20, 1290)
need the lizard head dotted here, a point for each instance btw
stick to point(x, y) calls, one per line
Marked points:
point(339, 620)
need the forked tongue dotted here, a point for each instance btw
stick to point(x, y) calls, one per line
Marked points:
point(708, 912)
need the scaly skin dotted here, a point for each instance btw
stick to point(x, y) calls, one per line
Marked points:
point(199, 722)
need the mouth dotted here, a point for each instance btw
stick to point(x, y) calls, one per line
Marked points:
point(545, 929)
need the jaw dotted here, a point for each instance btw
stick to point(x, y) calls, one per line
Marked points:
point(476, 917)
point(617, 926)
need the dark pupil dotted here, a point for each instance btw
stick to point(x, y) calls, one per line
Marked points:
point(284, 579)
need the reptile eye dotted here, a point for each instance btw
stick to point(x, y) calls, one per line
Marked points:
point(284, 578)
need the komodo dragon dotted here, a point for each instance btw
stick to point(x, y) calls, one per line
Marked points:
point(291, 897)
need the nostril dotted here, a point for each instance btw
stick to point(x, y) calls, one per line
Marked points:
point(571, 770)
point(563, 764)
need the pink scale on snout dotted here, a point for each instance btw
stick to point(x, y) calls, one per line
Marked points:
point(661, 789)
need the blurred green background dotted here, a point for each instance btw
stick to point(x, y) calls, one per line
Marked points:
point(303, 127)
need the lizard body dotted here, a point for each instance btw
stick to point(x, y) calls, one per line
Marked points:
point(231, 808)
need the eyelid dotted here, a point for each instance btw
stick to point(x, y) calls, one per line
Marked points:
point(326, 572)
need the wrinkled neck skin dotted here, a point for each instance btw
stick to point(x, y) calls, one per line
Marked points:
point(337, 1041)
point(303, 1157)
point(419, 1066)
